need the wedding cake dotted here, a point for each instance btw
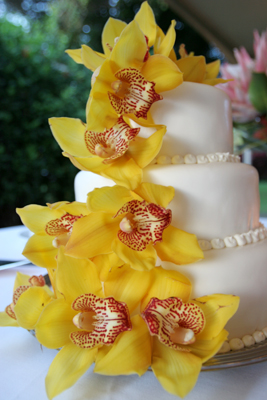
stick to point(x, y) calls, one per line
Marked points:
point(216, 198)
point(163, 242)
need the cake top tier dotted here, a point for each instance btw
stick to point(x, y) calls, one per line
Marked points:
point(198, 119)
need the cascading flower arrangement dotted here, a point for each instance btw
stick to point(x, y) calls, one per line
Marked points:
point(110, 304)
point(247, 88)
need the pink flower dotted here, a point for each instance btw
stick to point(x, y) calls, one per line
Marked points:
point(241, 73)
point(260, 51)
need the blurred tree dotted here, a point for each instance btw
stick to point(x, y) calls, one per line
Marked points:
point(37, 81)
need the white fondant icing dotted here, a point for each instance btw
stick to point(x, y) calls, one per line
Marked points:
point(205, 244)
point(240, 239)
point(213, 157)
point(248, 340)
point(258, 336)
point(192, 159)
point(164, 160)
point(198, 120)
point(230, 241)
point(211, 200)
point(236, 344)
point(202, 159)
point(217, 243)
point(225, 348)
point(177, 159)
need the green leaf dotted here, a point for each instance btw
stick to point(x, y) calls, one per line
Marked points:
point(258, 91)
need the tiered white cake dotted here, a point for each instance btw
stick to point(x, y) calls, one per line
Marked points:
point(216, 198)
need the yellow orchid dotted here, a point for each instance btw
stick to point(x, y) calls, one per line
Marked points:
point(128, 82)
point(195, 68)
point(163, 44)
point(117, 153)
point(185, 333)
point(82, 320)
point(135, 225)
point(52, 226)
point(30, 296)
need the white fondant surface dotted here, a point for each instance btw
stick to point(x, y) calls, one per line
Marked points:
point(86, 181)
point(198, 120)
point(211, 200)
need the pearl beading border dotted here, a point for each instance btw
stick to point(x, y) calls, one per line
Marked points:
point(199, 159)
point(246, 341)
point(242, 239)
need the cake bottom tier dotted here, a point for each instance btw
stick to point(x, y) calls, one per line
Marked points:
point(241, 271)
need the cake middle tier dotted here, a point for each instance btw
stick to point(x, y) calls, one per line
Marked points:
point(212, 200)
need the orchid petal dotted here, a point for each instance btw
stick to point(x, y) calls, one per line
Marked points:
point(76, 55)
point(92, 59)
point(158, 194)
point(167, 42)
point(55, 324)
point(127, 285)
point(139, 260)
point(111, 318)
point(112, 30)
point(178, 247)
point(124, 172)
point(39, 251)
point(93, 164)
point(92, 235)
point(61, 226)
point(206, 349)
point(140, 94)
point(218, 309)
point(75, 208)
point(215, 81)
point(130, 354)
point(147, 225)
point(67, 367)
point(109, 199)
point(174, 323)
point(30, 305)
point(21, 280)
point(176, 371)
point(212, 69)
point(112, 143)
point(6, 320)
point(146, 21)
point(193, 68)
point(163, 72)
point(75, 277)
point(143, 151)
point(167, 283)
point(129, 53)
point(36, 217)
point(69, 133)
point(100, 114)
point(105, 263)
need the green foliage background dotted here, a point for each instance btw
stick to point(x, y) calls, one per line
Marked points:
point(38, 81)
